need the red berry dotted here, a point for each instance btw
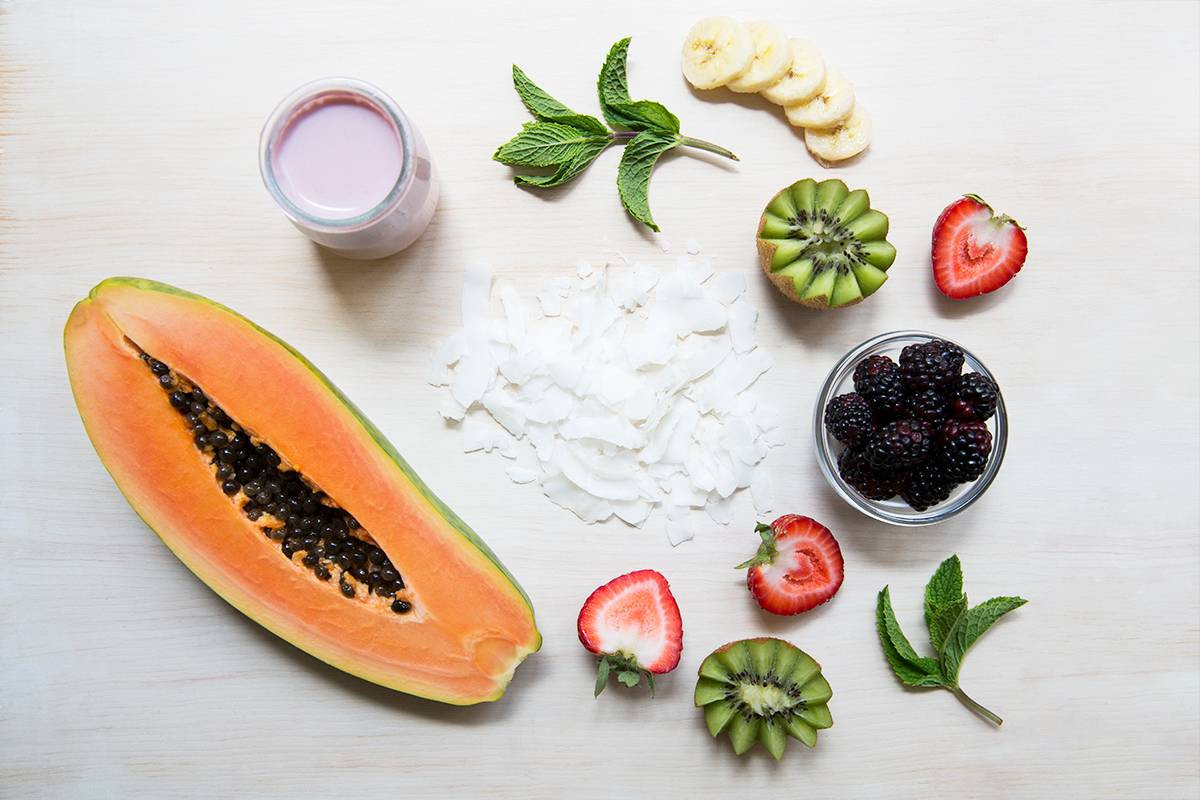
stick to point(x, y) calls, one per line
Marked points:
point(974, 250)
point(798, 566)
point(633, 624)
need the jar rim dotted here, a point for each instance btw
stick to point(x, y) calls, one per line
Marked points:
point(827, 459)
point(296, 103)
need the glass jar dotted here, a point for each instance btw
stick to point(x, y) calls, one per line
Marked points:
point(896, 511)
point(348, 168)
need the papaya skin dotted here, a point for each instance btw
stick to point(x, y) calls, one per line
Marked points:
point(471, 625)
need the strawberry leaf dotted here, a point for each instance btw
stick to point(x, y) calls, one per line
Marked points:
point(602, 675)
point(629, 677)
point(766, 550)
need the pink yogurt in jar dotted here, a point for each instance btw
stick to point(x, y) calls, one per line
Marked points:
point(348, 168)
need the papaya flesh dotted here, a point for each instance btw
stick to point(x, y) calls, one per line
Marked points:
point(452, 626)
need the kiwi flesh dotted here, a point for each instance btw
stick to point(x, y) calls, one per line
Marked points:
point(823, 245)
point(763, 690)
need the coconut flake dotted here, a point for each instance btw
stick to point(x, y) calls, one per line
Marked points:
point(631, 386)
point(761, 492)
point(679, 525)
point(742, 320)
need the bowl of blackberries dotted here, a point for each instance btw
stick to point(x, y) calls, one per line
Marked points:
point(910, 428)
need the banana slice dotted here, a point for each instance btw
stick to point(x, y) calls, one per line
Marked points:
point(804, 78)
point(832, 105)
point(772, 57)
point(716, 51)
point(849, 138)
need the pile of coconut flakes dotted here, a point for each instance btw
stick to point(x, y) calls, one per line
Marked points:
point(623, 388)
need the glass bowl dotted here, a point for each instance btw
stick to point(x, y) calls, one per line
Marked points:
point(896, 511)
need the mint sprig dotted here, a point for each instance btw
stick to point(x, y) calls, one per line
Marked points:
point(953, 628)
point(568, 142)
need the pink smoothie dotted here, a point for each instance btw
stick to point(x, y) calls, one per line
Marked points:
point(338, 157)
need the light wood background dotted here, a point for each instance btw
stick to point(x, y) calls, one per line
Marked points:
point(129, 133)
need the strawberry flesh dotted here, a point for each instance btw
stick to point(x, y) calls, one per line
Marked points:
point(798, 567)
point(975, 251)
point(634, 620)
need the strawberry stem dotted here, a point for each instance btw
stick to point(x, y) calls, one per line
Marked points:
point(766, 550)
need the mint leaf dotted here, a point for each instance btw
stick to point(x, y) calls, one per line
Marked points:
point(544, 144)
point(944, 588)
point(601, 676)
point(547, 109)
point(944, 620)
point(569, 142)
point(584, 156)
point(619, 108)
point(953, 628)
point(969, 628)
point(629, 677)
point(633, 174)
point(910, 668)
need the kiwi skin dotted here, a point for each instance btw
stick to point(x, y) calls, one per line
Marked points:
point(782, 282)
point(829, 194)
point(792, 702)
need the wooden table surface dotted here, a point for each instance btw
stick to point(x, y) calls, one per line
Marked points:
point(129, 147)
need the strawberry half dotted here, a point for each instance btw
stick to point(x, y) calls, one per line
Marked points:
point(975, 251)
point(798, 565)
point(633, 624)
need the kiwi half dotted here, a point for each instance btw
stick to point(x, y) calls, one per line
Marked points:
point(763, 690)
point(823, 245)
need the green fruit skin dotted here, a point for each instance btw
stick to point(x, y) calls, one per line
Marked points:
point(870, 226)
point(774, 227)
point(855, 204)
point(879, 253)
point(804, 195)
point(869, 278)
point(830, 195)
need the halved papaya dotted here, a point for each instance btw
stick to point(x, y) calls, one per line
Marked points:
point(281, 496)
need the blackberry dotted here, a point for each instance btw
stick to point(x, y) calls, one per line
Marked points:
point(973, 397)
point(927, 485)
point(930, 365)
point(848, 419)
point(964, 451)
point(871, 483)
point(878, 379)
point(904, 443)
point(928, 405)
